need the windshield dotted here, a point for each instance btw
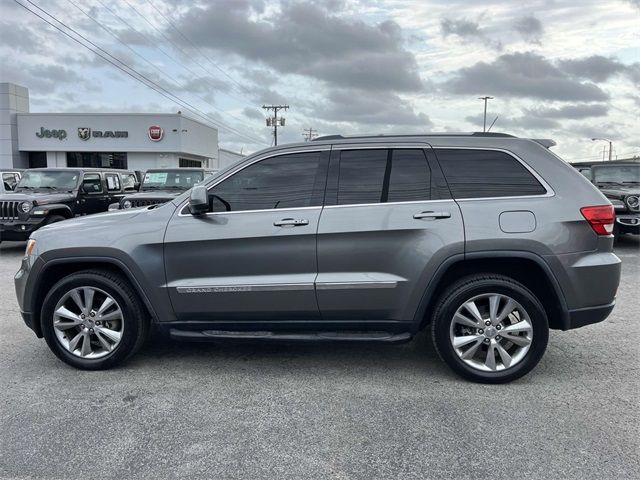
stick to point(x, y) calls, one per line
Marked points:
point(49, 179)
point(179, 180)
point(621, 174)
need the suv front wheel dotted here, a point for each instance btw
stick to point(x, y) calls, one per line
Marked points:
point(490, 328)
point(93, 320)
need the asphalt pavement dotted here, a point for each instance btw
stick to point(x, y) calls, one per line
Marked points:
point(322, 411)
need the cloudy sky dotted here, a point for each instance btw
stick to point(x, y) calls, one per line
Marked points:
point(558, 69)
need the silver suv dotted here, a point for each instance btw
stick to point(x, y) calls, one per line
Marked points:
point(487, 239)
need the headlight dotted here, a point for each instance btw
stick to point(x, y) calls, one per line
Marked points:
point(26, 206)
point(633, 202)
point(31, 246)
point(126, 204)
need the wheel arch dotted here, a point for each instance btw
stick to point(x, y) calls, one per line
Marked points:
point(525, 267)
point(57, 269)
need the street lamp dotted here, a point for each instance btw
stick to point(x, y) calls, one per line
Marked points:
point(484, 121)
point(605, 140)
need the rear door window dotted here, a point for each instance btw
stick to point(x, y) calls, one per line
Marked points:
point(91, 183)
point(486, 173)
point(383, 175)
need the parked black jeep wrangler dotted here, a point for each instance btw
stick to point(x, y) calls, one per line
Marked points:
point(162, 185)
point(48, 195)
point(619, 181)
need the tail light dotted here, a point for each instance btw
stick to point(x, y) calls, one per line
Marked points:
point(601, 218)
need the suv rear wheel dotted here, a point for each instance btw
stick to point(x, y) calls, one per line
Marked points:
point(93, 320)
point(490, 328)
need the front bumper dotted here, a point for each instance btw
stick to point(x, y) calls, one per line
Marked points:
point(20, 230)
point(24, 285)
point(628, 223)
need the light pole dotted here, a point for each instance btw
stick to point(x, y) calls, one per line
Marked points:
point(605, 140)
point(484, 121)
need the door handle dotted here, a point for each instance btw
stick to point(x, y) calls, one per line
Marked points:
point(291, 222)
point(431, 215)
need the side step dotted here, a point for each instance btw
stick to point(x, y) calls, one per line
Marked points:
point(213, 335)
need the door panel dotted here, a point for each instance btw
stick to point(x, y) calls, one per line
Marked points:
point(241, 266)
point(253, 257)
point(376, 259)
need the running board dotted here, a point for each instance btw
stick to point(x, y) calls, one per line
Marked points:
point(262, 336)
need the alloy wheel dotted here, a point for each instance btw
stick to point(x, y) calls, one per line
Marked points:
point(88, 322)
point(491, 332)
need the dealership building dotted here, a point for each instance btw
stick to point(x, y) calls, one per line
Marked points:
point(135, 141)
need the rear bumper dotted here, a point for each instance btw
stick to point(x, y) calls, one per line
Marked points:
point(586, 316)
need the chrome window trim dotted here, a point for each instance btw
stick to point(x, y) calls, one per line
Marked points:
point(409, 202)
point(549, 191)
point(380, 146)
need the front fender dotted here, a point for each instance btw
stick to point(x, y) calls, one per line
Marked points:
point(41, 211)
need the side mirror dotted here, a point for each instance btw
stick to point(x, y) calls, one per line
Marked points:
point(199, 200)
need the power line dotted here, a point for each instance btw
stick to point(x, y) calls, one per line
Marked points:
point(163, 73)
point(274, 121)
point(128, 70)
point(215, 65)
point(184, 52)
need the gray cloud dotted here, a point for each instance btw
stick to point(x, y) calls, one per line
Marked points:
point(308, 40)
point(467, 30)
point(21, 39)
point(530, 28)
point(600, 69)
point(572, 111)
point(507, 124)
point(365, 108)
point(527, 75)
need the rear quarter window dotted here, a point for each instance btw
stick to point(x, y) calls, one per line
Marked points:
point(486, 173)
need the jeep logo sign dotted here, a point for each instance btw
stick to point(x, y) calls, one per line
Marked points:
point(155, 133)
point(46, 133)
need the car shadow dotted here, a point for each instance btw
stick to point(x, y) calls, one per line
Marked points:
point(235, 357)
point(12, 247)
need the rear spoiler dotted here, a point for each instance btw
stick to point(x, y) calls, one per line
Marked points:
point(545, 142)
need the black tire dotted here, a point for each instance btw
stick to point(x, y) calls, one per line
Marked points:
point(135, 319)
point(472, 286)
point(53, 219)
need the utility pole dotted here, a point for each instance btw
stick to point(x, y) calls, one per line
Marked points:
point(309, 134)
point(610, 145)
point(274, 121)
point(484, 121)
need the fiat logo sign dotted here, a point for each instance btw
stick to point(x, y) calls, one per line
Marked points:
point(155, 133)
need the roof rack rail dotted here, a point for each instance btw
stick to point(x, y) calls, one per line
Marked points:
point(545, 142)
point(444, 134)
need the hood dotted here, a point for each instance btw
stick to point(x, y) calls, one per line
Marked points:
point(619, 190)
point(153, 194)
point(108, 220)
point(38, 198)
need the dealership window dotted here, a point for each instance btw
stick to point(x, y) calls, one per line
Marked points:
point(188, 163)
point(37, 159)
point(97, 159)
